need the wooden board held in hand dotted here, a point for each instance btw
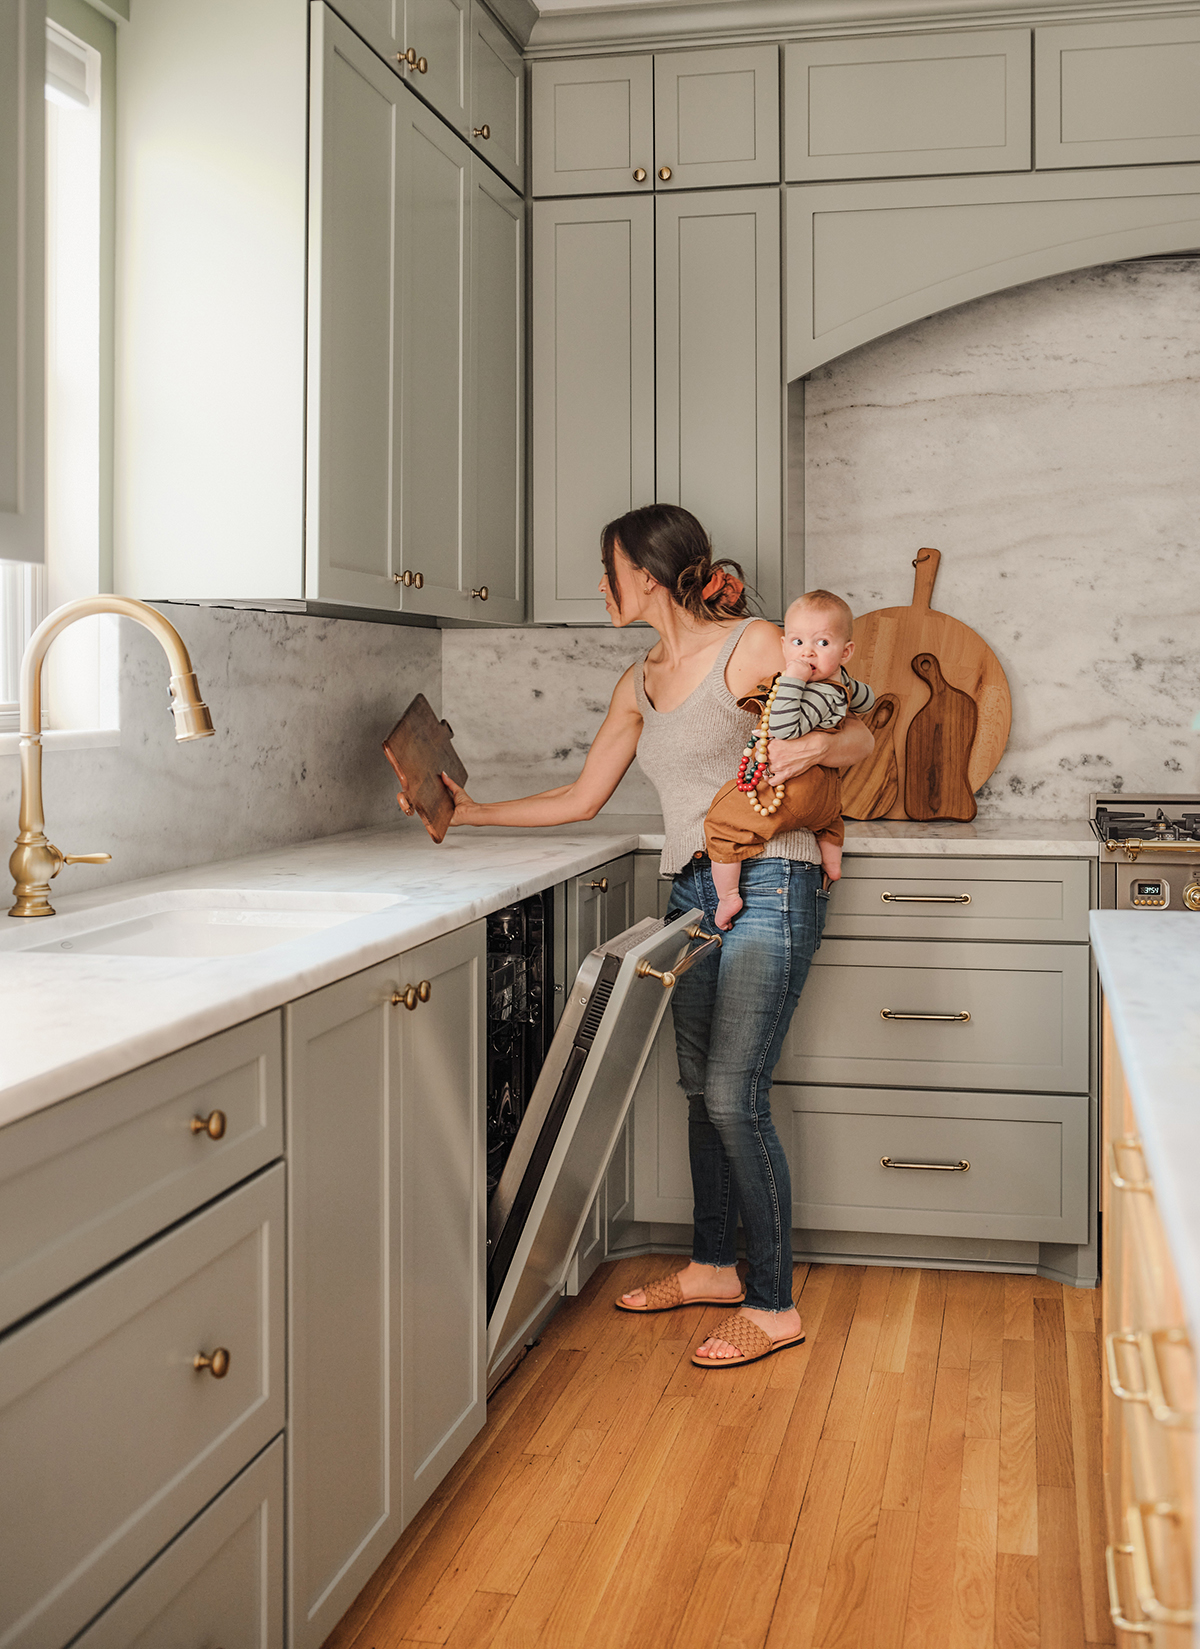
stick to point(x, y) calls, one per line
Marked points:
point(420, 751)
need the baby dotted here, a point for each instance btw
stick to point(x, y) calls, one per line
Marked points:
point(813, 692)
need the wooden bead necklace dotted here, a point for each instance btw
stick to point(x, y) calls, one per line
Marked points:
point(753, 767)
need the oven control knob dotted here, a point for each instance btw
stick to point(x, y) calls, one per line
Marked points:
point(1191, 896)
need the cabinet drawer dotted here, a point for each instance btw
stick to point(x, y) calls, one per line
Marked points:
point(910, 898)
point(1026, 1180)
point(1026, 1030)
point(219, 1582)
point(87, 1180)
point(111, 1439)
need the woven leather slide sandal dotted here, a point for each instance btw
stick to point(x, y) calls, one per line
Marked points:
point(666, 1295)
point(749, 1339)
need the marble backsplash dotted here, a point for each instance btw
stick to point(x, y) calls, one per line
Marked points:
point(300, 706)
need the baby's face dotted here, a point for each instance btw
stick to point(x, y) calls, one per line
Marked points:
point(813, 638)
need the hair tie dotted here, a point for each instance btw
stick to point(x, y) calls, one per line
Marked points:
point(724, 585)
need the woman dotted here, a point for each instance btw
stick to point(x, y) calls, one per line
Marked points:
point(677, 711)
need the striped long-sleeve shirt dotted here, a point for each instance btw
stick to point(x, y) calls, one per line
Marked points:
point(804, 706)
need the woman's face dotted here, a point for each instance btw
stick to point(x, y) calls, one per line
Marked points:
point(625, 575)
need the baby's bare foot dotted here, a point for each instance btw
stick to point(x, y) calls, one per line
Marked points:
point(727, 909)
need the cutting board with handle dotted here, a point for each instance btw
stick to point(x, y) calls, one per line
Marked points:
point(938, 749)
point(871, 790)
point(420, 750)
point(886, 643)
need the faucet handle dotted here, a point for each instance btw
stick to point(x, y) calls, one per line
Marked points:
point(86, 858)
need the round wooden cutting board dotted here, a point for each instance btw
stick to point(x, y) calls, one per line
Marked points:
point(885, 644)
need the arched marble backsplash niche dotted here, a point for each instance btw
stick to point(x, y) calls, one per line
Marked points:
point(1046, 440)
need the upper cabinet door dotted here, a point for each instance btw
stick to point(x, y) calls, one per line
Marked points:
point(593, 126)
point(719, 347)
point(1119, 94)
point(905, 106)
point(497, 415)
point(593, 390)
point(439, 33)
point(380, 22)
point(497, 97)
point(353, 325)
point(716, 117)
point(433, 259)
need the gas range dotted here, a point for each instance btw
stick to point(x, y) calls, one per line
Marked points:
point(1151, 857)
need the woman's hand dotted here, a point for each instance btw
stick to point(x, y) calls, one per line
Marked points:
point(791, 757)
point(463, 805)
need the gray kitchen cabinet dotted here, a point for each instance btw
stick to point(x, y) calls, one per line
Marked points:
point(219, 1582)
point(718, 351)
point(907, 105)
point(497, 97)
point(85, 1182)
point(497, 397)
point(112, 1437)
point(592, 389)
point(676, 120)
point(22, 279)
point(386, 1284)
point(1120, 93)
point(606, 438)
point(434, 30)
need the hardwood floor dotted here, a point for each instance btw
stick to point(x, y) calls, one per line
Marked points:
point(923, 1473)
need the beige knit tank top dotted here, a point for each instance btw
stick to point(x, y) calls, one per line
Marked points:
point(688, 753)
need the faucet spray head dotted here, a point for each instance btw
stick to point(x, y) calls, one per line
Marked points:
point(192, 719)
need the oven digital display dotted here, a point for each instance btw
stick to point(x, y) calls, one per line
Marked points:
point(1149, 890)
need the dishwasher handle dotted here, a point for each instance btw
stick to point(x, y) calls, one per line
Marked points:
point(667, 976)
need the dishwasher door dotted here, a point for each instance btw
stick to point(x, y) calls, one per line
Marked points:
point(575, 1114)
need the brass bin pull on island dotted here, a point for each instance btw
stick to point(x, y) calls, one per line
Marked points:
point(667, 976)
point(947, 1018)
point(925, 898)
point(959, 1167)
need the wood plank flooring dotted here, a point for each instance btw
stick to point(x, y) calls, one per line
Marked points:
point(923, 1473)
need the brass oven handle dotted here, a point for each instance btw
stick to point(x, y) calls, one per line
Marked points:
point(213, 1125)
point(1176, 1419)
point(1115, 1177)
point(1125, 1337)
point(667, 976)
point(959, 1167)
point(1116, 1612)
point(926, 898)
point(217, 1365)
point(411, 995)
point(948, 1018)
point(1139, 1556)
point(1135, 845)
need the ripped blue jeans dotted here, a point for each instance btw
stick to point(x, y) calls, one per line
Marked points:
point(732, 1011)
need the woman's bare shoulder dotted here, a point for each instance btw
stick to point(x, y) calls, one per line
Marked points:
point(755, 657)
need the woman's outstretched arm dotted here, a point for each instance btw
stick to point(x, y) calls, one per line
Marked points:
point(608, 760)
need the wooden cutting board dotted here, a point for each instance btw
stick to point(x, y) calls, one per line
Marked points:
point(938, 749)
point(420, 751)
point(871, 789)
point(887, 641)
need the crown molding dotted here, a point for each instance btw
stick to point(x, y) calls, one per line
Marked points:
point(517, 16)
point(711, 22)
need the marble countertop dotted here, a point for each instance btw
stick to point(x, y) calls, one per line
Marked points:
point(71, 1021)
point(1149, 964)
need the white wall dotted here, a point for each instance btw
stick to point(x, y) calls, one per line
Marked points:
point(301, 707)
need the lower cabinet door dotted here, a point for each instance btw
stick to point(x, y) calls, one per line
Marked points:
point(219, 1582)
point(111, 1436)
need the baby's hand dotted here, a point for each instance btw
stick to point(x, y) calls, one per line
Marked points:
point(797, 668)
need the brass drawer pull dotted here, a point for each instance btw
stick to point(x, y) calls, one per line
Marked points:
point(1116, 1612)
point(667, 976)
point(947, 1018)
point(411, 995)
point(959, 1167)
point(926, 898)
point(1122, 1393)
point(1115, 1177)
point(1143, 1580)
point(602, 884)
point(213, 1125)
point(1176, 1419)
point(217, 1365)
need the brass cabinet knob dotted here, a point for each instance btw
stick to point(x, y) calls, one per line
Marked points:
point(410, 580)
point(418, 581)
point(602, 884)
point(481, 592)
point(406, 998)
point(639, 175)
point(664, 173)
point(213, 1125)
point(422, 64)
point(217, 1365)
point(424, 990)
point(1191, 896)
point(481, 131)
point(408, 58)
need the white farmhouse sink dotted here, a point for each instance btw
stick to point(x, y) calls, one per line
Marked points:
point(191, 922)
